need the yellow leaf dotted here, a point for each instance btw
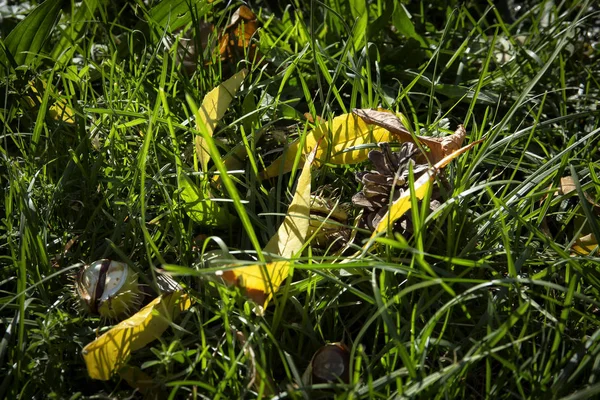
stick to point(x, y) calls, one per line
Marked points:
point(109, 353)
point(291, 235)
point(585, 244)
point(58, 111)
point(402, 204)
point(213, 108)
point(341, 133)
point(261, 281)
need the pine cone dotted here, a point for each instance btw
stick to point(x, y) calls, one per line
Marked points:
point(387, 183)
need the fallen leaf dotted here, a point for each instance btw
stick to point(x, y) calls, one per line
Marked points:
point(199, 206)
point(438, 147)
point(109, 353)
point(235, 42)
point(58, 111)
point(261, 281)
point(403, 203)
point(567, 185)
point(585, 244)
point(337, 136)
point(213, 108)
point(291, 235)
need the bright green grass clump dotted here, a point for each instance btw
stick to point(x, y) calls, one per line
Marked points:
point(482, 298)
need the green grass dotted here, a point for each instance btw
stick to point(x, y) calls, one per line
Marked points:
point(485, 299)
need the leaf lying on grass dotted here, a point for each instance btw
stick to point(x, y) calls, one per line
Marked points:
point(237, 35)
point(213, 108)
point(109, 353)
point(261, 281)
point(58, 111)
point(337, 136)
point(403, 203)
point(438, 147)
point(587, 242)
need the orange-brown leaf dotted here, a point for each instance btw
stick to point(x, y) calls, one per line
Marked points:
point(238, 34)
point(438, 147)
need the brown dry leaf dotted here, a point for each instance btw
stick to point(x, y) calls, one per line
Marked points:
point(261, 281)
point(234, 42)
point(586, 243)
point(567, 185)
point(438, 147)
point(238, 35)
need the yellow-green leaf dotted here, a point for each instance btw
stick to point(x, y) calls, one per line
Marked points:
point(340, 134)
point(58, 111)
point(198, 205)
point(109, 353)
point(402, 204)
point(261, 281)
point(212, 109)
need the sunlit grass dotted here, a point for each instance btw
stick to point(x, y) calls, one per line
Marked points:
point(486, 300)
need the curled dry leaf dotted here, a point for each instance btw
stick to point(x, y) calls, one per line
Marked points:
point(337, 136)
point(438, 147)
point(234, 42)
point(261, 281)
point(213, 108)
point(109, 353)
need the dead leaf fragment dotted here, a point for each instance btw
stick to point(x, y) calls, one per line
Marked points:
point(231, 45)
point(438, 147)
point(586, 243)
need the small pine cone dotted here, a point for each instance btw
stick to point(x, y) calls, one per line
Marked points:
point(387, 183)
